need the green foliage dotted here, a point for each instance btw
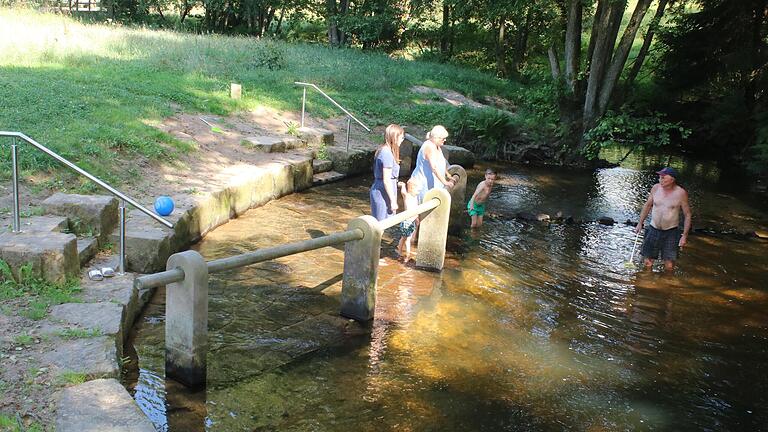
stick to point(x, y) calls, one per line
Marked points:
point(23, 339)
point(488, 127)
point(79, 333)
point(624, 129)
point(71, 378)
point(36, 294)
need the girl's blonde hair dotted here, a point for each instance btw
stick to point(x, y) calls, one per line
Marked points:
point(412, 186)
point(438, 131)
point(392, 134)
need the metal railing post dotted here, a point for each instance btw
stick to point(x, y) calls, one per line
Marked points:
point(361, 267)
point(303, 104)
point(433, 232)
point(349, 126)
point(121, 214)
point(15, 162)
point(186, 320)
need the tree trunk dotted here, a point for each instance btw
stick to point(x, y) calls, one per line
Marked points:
point(608, 28)
point(554, 63)
point(599, 11)
point(573, 44)
point(444, 29)
point(343, 9)
point(640, 59)
point(501, 50)
point(333, 29)
point(521, 41)
point(621, 55)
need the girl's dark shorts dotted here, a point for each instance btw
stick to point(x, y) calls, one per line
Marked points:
point(664, 242)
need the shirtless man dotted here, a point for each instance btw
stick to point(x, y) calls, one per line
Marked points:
point(476, 204)
point(663, 234)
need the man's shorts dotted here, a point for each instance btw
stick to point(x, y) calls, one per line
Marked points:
point(478, 211)
point(657, 241)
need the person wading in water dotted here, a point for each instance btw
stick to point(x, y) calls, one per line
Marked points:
point(663, 236)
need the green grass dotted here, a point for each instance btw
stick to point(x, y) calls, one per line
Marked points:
point(94, 92)
point(23, 339)
point(79, 333)
point(36, 294)
point(71, 378)
point(11, 424)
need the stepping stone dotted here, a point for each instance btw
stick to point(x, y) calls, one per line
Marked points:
point(354, 161)
point(321, 166)
point(87, 247)
point(97, 406)
point(44, 224)
point(270, 144)
point(326, 177)
point(458, 156)
point(95, 214)
point(104, 316)
point(316, 136)
point(53, 255)
point(94, 357)
point(147, 244)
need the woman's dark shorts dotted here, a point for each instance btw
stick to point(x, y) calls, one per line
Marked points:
point(657, 241)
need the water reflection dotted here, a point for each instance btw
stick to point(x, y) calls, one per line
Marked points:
point(530, 326)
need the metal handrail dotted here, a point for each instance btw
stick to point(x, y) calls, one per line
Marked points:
point(349, 114)
point(108, 188)
point(261, 255)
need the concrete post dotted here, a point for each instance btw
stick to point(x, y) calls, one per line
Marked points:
point(433, 232)
point(361, 267)
point(459, 217)
point(186, 320)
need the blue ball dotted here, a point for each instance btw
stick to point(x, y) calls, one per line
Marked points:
point(163, 205)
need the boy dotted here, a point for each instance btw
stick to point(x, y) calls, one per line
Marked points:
point(410, 192)
point(476, 205)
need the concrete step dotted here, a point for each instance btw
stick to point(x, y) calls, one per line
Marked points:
point(321, 166)
point(326, 177)
point(270, 144)
point(53, 255)
point(314, 137)
point(87, 247)
point(92, 214)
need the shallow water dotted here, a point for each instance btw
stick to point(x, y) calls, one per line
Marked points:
point(529, 327)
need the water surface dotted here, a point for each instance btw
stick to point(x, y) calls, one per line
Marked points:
point(530, 326)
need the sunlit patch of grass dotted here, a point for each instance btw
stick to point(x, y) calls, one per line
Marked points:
point(36, 295)
point(71, 378)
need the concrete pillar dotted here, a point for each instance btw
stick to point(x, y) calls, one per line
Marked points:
point(361, 267)
point(459, 217)
point(186, 320)
point(433, 232)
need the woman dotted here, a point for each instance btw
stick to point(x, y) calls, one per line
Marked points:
point(431, 170)
point(386, 170)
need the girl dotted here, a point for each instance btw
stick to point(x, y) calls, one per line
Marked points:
point(410, 192)
point(386, 169)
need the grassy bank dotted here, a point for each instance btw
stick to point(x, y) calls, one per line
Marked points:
point(93, 92)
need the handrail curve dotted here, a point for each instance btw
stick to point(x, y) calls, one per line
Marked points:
point(90, 176)
point(349, 114)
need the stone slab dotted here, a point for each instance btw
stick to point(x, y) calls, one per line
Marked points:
point(356, 161)
point(458, 156)
point(94, 357)
point(316, 136)
point(96, 214)
point(266, 144)
point(105, 316)
point(321, 166)
point(53, 255)
point(147, 244)
point(44, 224)
point(98, 406)
point(327, 177)
point(87, 247)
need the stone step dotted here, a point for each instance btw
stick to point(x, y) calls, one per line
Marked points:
point(326, 177)
point(321, 166)
point(316, 137)
point(270, 144)
point(97, 406)
point(53, 255)
point(87, 247)
point(44, 224)
point(92, 214)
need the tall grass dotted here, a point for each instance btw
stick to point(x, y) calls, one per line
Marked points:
point(93, 92)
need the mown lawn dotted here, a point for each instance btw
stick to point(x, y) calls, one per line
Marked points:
point(92, 92)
